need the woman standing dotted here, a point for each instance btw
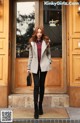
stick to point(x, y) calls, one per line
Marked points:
point(38, 64)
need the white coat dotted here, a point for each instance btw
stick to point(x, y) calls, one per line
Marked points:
point(45, 62)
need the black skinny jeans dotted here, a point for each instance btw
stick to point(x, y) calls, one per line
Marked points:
point(39, 85)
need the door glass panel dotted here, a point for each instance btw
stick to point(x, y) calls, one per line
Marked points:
point(25, 23)
point(52, 20)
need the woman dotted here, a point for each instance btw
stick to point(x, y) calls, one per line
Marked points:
point(38, 64)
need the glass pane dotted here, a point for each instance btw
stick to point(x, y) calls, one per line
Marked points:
point(25, 25)
point(53, 27)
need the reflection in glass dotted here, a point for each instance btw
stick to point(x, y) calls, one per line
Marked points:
point(25, 25)
point(53, 27)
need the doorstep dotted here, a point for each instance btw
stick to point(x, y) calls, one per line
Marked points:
point(26, 100)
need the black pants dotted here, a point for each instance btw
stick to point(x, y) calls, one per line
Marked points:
point(39, 85)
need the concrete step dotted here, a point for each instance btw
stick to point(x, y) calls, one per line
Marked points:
point(26, 100)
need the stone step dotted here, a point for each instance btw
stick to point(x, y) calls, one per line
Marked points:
point(26, 100)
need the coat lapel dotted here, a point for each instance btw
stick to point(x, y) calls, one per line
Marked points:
point(34, 46)
point(44, 46)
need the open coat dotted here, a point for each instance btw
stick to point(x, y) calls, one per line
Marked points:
point(45, 62)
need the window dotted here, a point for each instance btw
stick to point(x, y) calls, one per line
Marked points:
point(25, 23)
point(52, 20)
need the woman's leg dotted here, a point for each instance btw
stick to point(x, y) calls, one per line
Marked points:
point(42, 89)
point(35, 94)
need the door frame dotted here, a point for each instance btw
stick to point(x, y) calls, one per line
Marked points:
point(39, 18)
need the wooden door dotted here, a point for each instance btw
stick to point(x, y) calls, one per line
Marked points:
point(56, 78)
point(4, 31)
point(54, 21)
point(74, 54)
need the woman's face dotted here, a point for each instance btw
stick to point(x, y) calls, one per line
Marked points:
point(39, 34)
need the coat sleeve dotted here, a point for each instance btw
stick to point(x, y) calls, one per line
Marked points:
point(30, 58)
point(49, 53)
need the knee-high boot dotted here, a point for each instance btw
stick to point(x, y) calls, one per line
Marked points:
point(40, 102)
point(36, 108)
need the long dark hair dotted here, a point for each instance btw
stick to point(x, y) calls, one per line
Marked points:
point(34, 36)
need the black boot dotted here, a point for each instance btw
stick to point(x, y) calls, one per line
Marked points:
point(40, 108)
point(36, 113)
point(36, 108)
